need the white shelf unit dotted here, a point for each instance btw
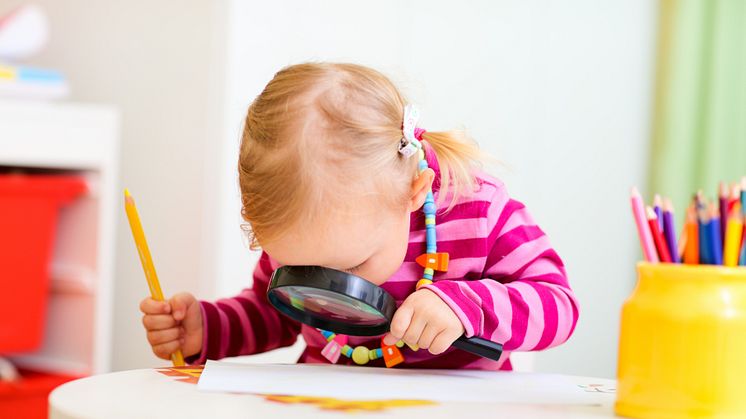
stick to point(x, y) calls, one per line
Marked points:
point(82, 139)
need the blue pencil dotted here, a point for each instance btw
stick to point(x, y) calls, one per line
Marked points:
point(716, 240)
point(743, 195)
point(703, 224)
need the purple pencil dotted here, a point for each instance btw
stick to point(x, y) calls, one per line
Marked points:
point(658, 208)
point(669, 231)
point(723, 203)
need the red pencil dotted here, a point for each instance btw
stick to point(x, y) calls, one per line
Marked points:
point(660, 242)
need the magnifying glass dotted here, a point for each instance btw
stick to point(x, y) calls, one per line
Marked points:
point(343, 303)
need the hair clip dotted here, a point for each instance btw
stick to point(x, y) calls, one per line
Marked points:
point(409, 143)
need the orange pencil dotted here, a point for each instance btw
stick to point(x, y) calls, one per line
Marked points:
point(691, 248)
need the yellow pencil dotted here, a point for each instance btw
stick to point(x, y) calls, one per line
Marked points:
point(733, 236)
point(147, 261)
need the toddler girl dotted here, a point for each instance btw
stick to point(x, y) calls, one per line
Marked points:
point(329, 178)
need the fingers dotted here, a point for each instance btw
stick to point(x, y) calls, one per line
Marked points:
point(399, 324)
point(151, 306)
point(415, 329)
point(443, 341)
point(180, 303)
point(159, 337)
point(165, 350)
point(427, 336)
point(158, 321)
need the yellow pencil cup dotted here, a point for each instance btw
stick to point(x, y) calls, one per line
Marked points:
point(682, 348)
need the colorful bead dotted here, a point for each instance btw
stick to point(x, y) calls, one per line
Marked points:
point(430, 235)
point(392, 356)
point(360, 355)
point(422, 282)
point(375, 354)
point(422, 165)
point(433, 261)
point(430, 221)
point(429, 208)
point(399, 344)
point(340, 339)
point(421, 154)
point(347, 351)
point(332, 351)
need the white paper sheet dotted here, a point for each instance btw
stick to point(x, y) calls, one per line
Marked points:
point(360, 383)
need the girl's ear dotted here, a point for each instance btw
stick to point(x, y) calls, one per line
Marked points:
point(420, 187)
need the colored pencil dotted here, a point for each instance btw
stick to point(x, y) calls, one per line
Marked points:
point(735, 195)
point(681, 246)
point(691, 249)
point(660, 242)
point(723, 200)
point(733, 231)
point(147, 261)
point(703, 228)
point(742, 259)
point(669, 231)
point(658, 208)
point(716, 241)
point(643, 230)
point(713, 231)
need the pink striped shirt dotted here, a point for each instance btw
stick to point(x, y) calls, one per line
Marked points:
point(504, 282)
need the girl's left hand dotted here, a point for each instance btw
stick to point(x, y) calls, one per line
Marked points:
point(425, 320)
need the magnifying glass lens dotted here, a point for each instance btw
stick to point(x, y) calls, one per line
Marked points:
point(331, 305)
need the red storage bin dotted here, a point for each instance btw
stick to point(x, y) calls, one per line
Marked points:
point(29, 206)
point(27, 397)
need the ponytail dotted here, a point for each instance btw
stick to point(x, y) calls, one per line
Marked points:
point(458, 158)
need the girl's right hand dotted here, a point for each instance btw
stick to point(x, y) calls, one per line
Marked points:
point(173, 324)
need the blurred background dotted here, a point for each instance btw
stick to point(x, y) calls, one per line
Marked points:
point(579, 100)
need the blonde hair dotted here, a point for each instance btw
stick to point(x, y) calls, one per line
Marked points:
point(326, 133)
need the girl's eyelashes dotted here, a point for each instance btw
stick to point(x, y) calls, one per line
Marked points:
point(354, 268)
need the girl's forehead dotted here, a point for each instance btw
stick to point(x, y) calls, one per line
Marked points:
point(340, 242)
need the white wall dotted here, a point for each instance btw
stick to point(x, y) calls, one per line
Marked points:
point(153, 61)
point(559, 91)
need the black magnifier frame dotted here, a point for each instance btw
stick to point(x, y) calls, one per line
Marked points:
point(375, 306)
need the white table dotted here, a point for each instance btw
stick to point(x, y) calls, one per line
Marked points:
point(148, 393)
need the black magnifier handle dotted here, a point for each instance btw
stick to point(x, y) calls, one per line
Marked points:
point(478, 346)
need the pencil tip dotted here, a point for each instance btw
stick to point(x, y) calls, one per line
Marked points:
point(651, 213)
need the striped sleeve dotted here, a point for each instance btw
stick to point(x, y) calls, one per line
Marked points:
point(523, 298)
point(245, 324)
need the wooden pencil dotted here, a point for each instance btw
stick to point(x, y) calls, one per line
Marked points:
point(147, 261)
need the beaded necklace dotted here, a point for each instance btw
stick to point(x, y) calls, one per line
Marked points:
point(431, 261)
